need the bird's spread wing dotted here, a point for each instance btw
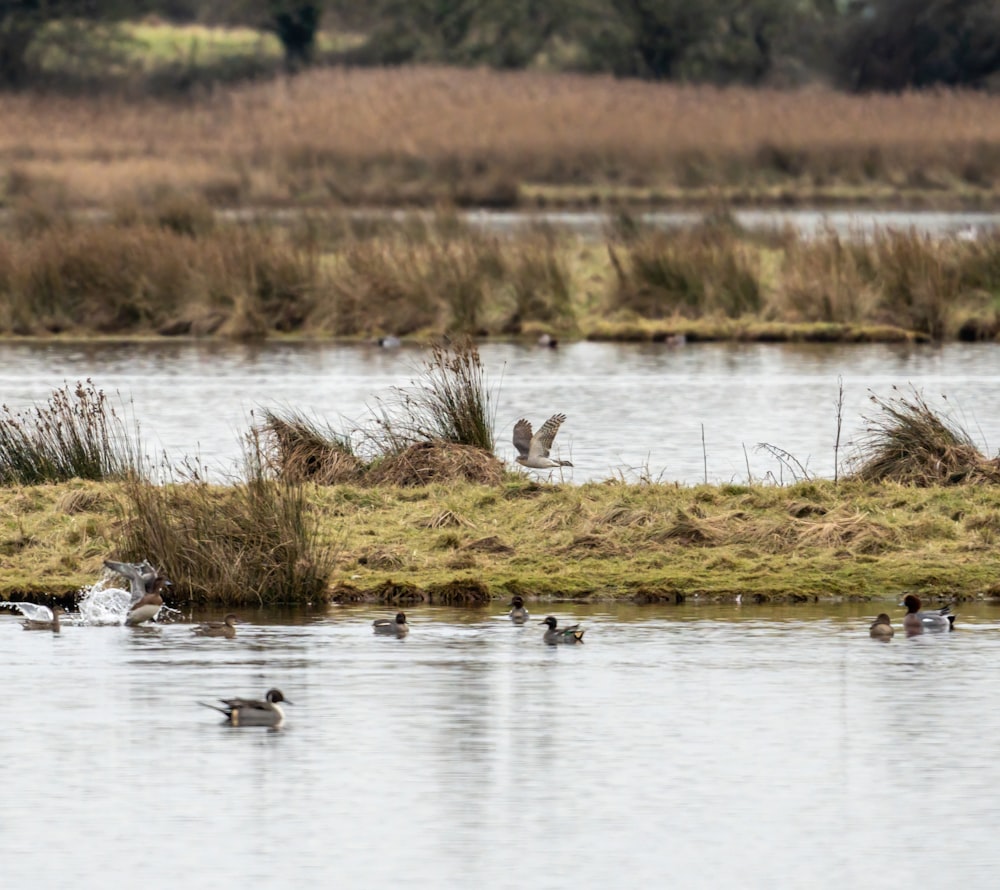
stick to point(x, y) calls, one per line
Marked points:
point(522, 437)
point(34, 612)
point(139, 574)
point(541, 442)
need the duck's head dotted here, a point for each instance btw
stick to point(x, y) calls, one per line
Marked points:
point(230, 619)
point(883, 619)
point(912, 603)
point(159, 584)
point(517, 602)
point(400, 618)
point(274, 696)
point(550, 621)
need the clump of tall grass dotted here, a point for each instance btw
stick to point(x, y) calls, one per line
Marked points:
point(910, 442)
point(405, 283)
point(540, 281)
point(826, 279)
point(76, 434)
point(693, 273)
point(438, 428)
point(115, 279)
point(299, 449)
point(919, 281)
point(451, 402)
point(254, 542)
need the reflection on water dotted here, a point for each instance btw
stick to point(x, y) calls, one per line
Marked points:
point(719, 746)
point(633, 410)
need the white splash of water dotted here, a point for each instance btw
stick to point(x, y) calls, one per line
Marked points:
point(31, 611)
point(100, 604)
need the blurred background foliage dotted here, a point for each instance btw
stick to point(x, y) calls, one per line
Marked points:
point(175, 45)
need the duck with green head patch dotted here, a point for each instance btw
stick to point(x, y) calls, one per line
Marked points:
point(555, 634)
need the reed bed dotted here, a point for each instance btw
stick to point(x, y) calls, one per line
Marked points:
point(167, 273)
point(427, 135)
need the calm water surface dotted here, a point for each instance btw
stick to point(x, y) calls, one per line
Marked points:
point(687, 747)
point(676, 414)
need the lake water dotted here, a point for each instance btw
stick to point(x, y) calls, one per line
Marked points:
point(633, 411)
point(691, 747)
point(846, 222)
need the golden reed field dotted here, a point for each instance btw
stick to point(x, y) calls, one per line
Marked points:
point(420, 136)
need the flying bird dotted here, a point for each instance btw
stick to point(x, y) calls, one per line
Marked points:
point(533, 450)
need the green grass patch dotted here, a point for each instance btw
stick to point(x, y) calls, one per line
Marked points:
point(606, 541)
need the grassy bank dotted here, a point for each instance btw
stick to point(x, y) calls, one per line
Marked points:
point(425, 136)
point(171, 268)
point(464, 542)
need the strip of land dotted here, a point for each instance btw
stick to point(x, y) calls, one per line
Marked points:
point(469, 543)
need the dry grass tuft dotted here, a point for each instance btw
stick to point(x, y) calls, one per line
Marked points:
point(437, 461)
point(81, 500)
point(76, 434)
point(491, 544)
point(383, 558)
point(688, 528)
point(855, 531)
point(297, 450)
point(447, 519)
point(910, 442)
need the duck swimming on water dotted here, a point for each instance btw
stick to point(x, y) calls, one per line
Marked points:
point(518, 613)
point(916, 622)
point(225, 628)
point(555, 634)
point(252, 712)
point(881, 628)
point(40, 617)
point(395, 627)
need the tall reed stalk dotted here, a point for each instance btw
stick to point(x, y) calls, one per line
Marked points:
point(451, 402)
point(76, 434)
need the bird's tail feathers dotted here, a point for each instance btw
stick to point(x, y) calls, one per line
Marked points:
point(215, 708)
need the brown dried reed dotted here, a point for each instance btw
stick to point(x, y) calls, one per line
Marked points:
point(429, 134)
point(911, 443)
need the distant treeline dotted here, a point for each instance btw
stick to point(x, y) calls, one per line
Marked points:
point(854, 44)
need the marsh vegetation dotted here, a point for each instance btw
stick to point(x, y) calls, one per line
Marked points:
point(426, 136)
point(917, 509)
point(173, 269)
